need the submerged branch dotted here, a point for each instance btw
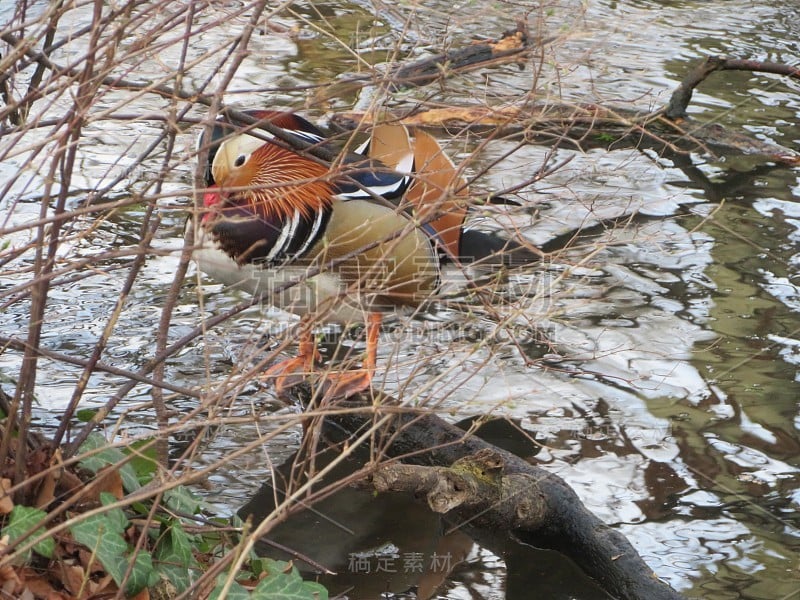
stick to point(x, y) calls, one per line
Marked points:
point(676, 109)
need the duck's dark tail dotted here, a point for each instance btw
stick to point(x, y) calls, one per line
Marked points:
point(491, 250)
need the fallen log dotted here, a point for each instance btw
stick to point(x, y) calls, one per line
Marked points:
point(583, 126)
point(492, 494)
point(472, 56)
point(586, 126)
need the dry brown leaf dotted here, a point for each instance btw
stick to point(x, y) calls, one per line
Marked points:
point(6, 502)
point(48, 486)
point(143, 595)
point(471, 115)
point(7, 588)
point(47, 489)
point(69, 483)
point(108, 480)
point(515, 41)
point(105, 585)
point(40, 587)
point(8, 575)
point(90, 561)
point(72, 577)
point(26, 595)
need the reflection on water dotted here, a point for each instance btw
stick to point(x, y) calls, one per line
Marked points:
point(664, 385)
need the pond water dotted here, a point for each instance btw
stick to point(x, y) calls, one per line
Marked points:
point(667, 393)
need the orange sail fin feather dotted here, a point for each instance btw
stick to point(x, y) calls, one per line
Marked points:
point(438, 194)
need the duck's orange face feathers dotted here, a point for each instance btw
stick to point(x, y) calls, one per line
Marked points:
point(268, 180)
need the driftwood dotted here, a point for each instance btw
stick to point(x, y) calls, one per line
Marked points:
point(584, 127)
point(676, 109)
point(667, 130)
point(473, 56)
point(491, 494)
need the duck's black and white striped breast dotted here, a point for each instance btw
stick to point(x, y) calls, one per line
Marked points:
point(248, 238)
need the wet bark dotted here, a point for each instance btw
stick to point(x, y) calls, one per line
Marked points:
point(476, 55)
point(494, 495)
point(585, 126)
point(676, 109)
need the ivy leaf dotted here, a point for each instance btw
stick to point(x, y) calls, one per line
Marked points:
point(280, 587)
point(84, 415)
point(181, 500)
point(103, 535)
point(235, 591)
point(108, 456)
point(21, 520)
point(144, 459)
point(173, 556)
point(284, 582)
point(143, 575)
point(317, 590)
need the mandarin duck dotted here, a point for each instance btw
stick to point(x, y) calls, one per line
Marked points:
point(345, 242)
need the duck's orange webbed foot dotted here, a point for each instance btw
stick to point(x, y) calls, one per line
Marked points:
point(291, 371)
point(350, 383)
point(346, 384)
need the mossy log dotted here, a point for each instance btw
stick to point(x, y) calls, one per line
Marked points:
point(583, 127)
point(666, 130)
point(490, 492)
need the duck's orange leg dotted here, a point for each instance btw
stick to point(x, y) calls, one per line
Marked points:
point(292, 371)
point(349, 383)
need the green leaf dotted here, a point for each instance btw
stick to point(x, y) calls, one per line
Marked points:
point(21, 520)
point(280, 587)
point(120, 520)
point(284, 582)
point(144, 459)
point(317, 590)
point(143, 574)
point(174, 558)
point(85, 415)
point(181, 500)
point(284, 587)
point(140, 508)
point(108, 456)
point(103, 535)
point(235, 591)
